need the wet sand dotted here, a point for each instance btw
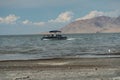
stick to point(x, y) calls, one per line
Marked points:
point(61, 69)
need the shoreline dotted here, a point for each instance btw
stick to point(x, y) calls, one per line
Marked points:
point(61, 69)
point(62, 62)
point(97, 56)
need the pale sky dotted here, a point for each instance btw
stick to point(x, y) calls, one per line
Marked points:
point(36, 16)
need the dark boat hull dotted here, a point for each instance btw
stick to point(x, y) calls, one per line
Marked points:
point(53, 38)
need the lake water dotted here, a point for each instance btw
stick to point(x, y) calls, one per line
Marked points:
point(77, 45)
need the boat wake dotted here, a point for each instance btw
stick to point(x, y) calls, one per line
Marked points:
point(71, 38)
point(46, 39)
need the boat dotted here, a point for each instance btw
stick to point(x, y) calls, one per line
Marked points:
point(54, 35)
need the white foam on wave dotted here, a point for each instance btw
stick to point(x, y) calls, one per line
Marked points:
point(54, 63)
point(96, 56)
point(71, 38)
point(45, 39)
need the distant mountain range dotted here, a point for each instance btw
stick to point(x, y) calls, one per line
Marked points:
point(101, 24)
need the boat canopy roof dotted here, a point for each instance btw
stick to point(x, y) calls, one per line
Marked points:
point(54, 31)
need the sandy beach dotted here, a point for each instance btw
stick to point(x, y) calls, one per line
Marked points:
point(61, 69)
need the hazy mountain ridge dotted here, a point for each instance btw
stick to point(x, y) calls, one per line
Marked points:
point(98, 24)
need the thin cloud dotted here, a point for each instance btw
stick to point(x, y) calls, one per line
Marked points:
point(39, 23)
point(92, 14)
point(114, 13)
point(27, 22)
point(63, 17)
point(96, 13)
point(10, 19)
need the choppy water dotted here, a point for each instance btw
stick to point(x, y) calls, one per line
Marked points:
point(77, 45)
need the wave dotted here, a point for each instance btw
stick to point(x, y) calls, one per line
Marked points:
point(71, 38)
point(20, 50)
point(46, 39)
